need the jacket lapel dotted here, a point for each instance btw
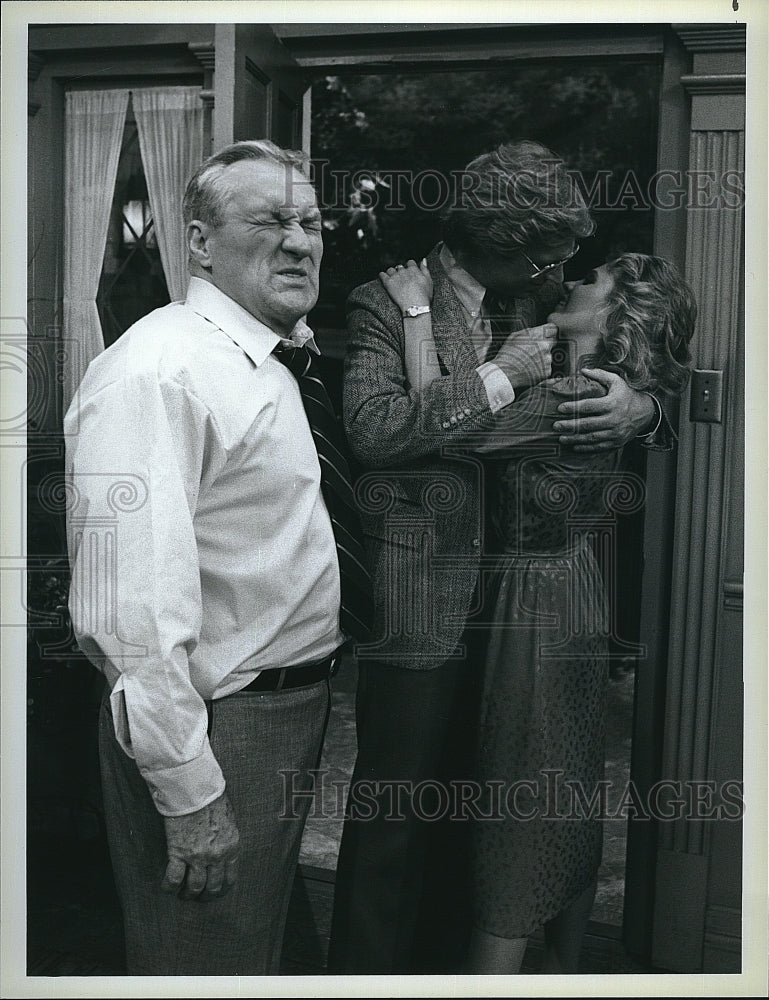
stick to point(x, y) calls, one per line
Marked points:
point(452, 338)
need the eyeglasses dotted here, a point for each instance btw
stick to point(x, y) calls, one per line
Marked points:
point(540, 269)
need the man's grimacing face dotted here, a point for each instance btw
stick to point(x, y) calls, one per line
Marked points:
point(266, 253)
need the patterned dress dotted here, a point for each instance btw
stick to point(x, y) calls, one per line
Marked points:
point(541, 750)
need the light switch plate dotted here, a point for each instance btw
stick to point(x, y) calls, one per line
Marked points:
point(706, 396)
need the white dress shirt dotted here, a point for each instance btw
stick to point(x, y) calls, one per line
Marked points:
point(200, 545)
point(470, 294)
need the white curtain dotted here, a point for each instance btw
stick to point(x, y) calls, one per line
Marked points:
point(170, 125)
point(94, 122)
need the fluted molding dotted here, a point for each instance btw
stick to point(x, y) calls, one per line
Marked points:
point(698, 591)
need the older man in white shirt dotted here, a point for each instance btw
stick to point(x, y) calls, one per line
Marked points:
point(206, 579)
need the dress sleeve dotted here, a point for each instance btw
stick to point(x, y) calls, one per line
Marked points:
point(529, 420)
point(662, 437)
point(135, 461)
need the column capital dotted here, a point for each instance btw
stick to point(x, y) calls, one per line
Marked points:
point(711, 37)
point(204, 52)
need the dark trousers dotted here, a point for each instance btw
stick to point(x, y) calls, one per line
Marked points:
point(402, 894)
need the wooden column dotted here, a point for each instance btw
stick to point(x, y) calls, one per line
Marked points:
point(258, 88)
point(205, 53)
point(697, 910)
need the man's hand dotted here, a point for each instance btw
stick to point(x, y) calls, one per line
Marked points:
point(526, 355)
point(202, 851)
point(607, 422)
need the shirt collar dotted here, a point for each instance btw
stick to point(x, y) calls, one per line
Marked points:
point(250, 334)
point(469, 291)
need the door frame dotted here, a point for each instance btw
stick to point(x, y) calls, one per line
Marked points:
point(465, 48)
point(337, 49)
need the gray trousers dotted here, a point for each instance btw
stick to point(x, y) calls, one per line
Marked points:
point(254, 737)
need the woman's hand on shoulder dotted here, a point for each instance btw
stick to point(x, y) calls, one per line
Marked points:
point(409, 284)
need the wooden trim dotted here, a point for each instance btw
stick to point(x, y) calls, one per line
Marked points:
point(679, 911)
point(205, 53)
point(478, 46)
point(711, 37)
point(83, 70)
point(714, 83)
point(723, 940)
point(256, 72)
point(734, 594)
point(225, 75)
point(73, 37)
point(702, 488)
point(290, 31)
point(648, 722)
point(696, 665)
point(35, 63)
point(306, 137)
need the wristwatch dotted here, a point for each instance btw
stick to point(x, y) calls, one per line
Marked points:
point(415, 311)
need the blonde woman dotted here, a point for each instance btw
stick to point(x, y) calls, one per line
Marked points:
point(541, 731)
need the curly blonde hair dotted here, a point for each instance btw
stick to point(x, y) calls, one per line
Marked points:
point(650, 318)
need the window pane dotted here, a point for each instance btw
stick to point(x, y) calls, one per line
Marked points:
point(132, 280)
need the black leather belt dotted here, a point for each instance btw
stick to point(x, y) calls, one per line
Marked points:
point(294, 677)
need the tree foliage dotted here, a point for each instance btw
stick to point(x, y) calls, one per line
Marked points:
point(600, 116)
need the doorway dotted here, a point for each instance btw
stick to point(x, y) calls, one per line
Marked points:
point(383, 145)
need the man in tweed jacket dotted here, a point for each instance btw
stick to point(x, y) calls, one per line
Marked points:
point(421, 496)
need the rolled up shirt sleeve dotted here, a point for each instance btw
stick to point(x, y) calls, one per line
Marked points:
point(137, 452)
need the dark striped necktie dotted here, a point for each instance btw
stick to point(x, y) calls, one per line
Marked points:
point(357, 607)
point(496, 312)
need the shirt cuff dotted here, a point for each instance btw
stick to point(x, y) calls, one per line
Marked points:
point(497, 385)
point(185, 788)
point(658, 421)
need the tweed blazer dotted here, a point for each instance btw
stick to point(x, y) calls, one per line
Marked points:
point(421, 486)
